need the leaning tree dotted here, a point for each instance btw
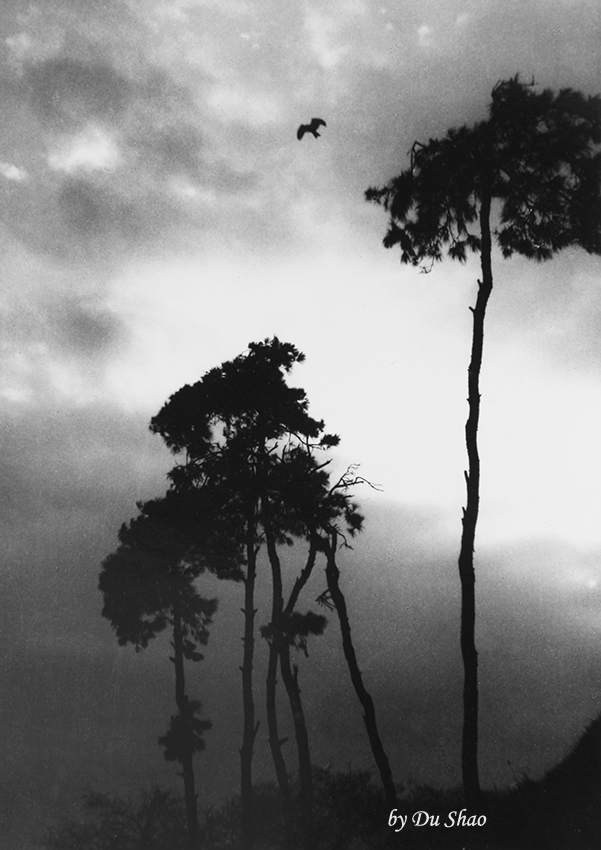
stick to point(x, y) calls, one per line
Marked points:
point(527, 177)
point(327, 516)
point(336, 519)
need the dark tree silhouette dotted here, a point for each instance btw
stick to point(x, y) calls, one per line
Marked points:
point(149, 584)
point(286, 629)
point(297, 485)
point(335, 598)
point(331, 518)
point(324, 514)
point(230, 425)
point(537, 156)
point(296, 629)
point(287, 475)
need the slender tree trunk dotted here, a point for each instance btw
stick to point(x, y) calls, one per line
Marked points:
point(296, 706)
point(183, 706)
point(469, 754)
point(290, 680)
point(305, 774)
point(369, 712)
point(275, 742)
point(301, 580)
point(275, 643)
point(250, 727)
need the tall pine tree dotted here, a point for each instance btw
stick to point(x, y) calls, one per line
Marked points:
point(527, 178)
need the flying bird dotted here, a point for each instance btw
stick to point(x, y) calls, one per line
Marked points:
point(310, 128)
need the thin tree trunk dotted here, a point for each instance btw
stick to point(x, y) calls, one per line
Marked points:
point(275, 742)
point(290, 680)
point(369, 712)
point(469, 754)
point(250, 727)
point(183, 706)
point(301, 580)
point(275, 643)
point(305, 775)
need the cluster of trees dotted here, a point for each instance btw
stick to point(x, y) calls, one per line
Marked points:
point(252, 476)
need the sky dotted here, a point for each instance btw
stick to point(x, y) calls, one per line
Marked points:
point(158, 214)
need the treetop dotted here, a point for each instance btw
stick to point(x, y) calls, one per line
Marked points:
point(537, 154)
point(248, 394)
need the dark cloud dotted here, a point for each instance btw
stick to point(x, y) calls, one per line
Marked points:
point(83, 210)
point(94, 212)
point(65, 92)
point(86, 209)
point(232, 182)
point(78, 208)
point(97, 220)
point(55, 319)
point(85, 330)
point(71, 477)
point(174, 150)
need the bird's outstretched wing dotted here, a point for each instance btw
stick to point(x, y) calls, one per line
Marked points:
point(317, 122)
point(302, 130)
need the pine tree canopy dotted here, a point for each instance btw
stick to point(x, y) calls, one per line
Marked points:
point(538, 155)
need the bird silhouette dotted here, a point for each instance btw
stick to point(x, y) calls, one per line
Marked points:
point(310, 128)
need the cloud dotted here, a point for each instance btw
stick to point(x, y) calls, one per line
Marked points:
point(19, 46)
point(77, 468)
point(12, 172)
point(85, 330)
point(91, 211)
point(66, 93)
point(128, 166)
point(93, 149)
point(61, 341)
point(90, 102)
point(173, 150)
point(322, 30)
point(85, 218)
point(425, 36)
